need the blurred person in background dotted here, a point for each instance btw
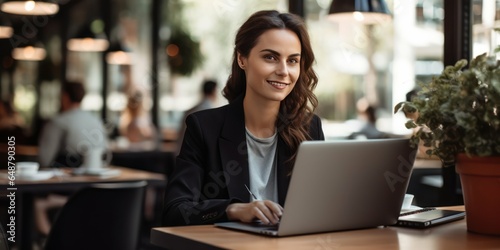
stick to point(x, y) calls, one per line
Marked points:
point(208, 101)
point(66, 138)
point(64, 142)
point(366, 122)
point(136, 126)
point(138, 133)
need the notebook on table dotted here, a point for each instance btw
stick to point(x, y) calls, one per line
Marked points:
point(342, 185)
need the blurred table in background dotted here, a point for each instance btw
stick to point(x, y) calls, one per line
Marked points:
point(62, 181)
point(158, 161)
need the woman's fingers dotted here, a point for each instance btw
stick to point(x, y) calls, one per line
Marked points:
point(264, 210)
point(267, 211)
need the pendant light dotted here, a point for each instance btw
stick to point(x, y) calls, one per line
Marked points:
point(30, 7)
point(29, 53)
point(362, 11)
point(119, 55)
point(6, 30)
point(90, 38)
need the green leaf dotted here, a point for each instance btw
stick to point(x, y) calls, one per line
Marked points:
point(398, 107)
point(410, 124)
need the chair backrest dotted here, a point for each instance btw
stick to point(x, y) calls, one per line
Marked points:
point(102, 216)
point(3, 239)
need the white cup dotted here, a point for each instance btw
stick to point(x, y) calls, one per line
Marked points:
point(27, 168)
point(92, 159)
point(407, 201)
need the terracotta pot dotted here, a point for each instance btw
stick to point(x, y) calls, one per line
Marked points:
point(480, 177)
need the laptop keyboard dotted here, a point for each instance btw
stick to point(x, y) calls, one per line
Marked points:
point(262, 225)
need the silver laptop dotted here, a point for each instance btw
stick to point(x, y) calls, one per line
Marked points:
point(342, 185)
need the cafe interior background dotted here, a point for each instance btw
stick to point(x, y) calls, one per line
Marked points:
point(169, 47)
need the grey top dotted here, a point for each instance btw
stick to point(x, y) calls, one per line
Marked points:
point(262, 166)
point(71, 133)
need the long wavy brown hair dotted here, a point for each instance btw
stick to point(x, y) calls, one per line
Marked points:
point(296, 110)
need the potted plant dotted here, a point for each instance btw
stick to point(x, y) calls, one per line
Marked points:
point(458, 116)
point(184, 54)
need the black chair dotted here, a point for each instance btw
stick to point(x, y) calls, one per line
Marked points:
point(3, 239)
point(102, 216)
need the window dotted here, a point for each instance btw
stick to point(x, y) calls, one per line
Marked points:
point(377, 63)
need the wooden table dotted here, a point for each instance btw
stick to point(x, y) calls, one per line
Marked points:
point(26, 190)
point(448, 236)
point(67, 180)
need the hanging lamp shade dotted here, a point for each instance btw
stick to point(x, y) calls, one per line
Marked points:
point(29, 52)
point(118, 54)
point(6, 30)
point(90, 38)
point(30, 7)
point(363, 11)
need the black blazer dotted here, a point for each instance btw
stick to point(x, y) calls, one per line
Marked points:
point(211, 169)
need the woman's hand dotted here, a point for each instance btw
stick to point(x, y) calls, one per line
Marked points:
point(265, 210)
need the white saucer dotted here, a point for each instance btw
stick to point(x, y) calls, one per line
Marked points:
point(38, 176)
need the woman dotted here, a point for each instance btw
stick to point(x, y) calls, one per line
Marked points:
point(248, 147)
point(136, 126)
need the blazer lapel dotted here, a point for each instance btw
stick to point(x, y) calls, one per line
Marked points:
point(283, 175)
point(233, 151)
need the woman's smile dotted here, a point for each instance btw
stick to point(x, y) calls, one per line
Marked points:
point(278, 85)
